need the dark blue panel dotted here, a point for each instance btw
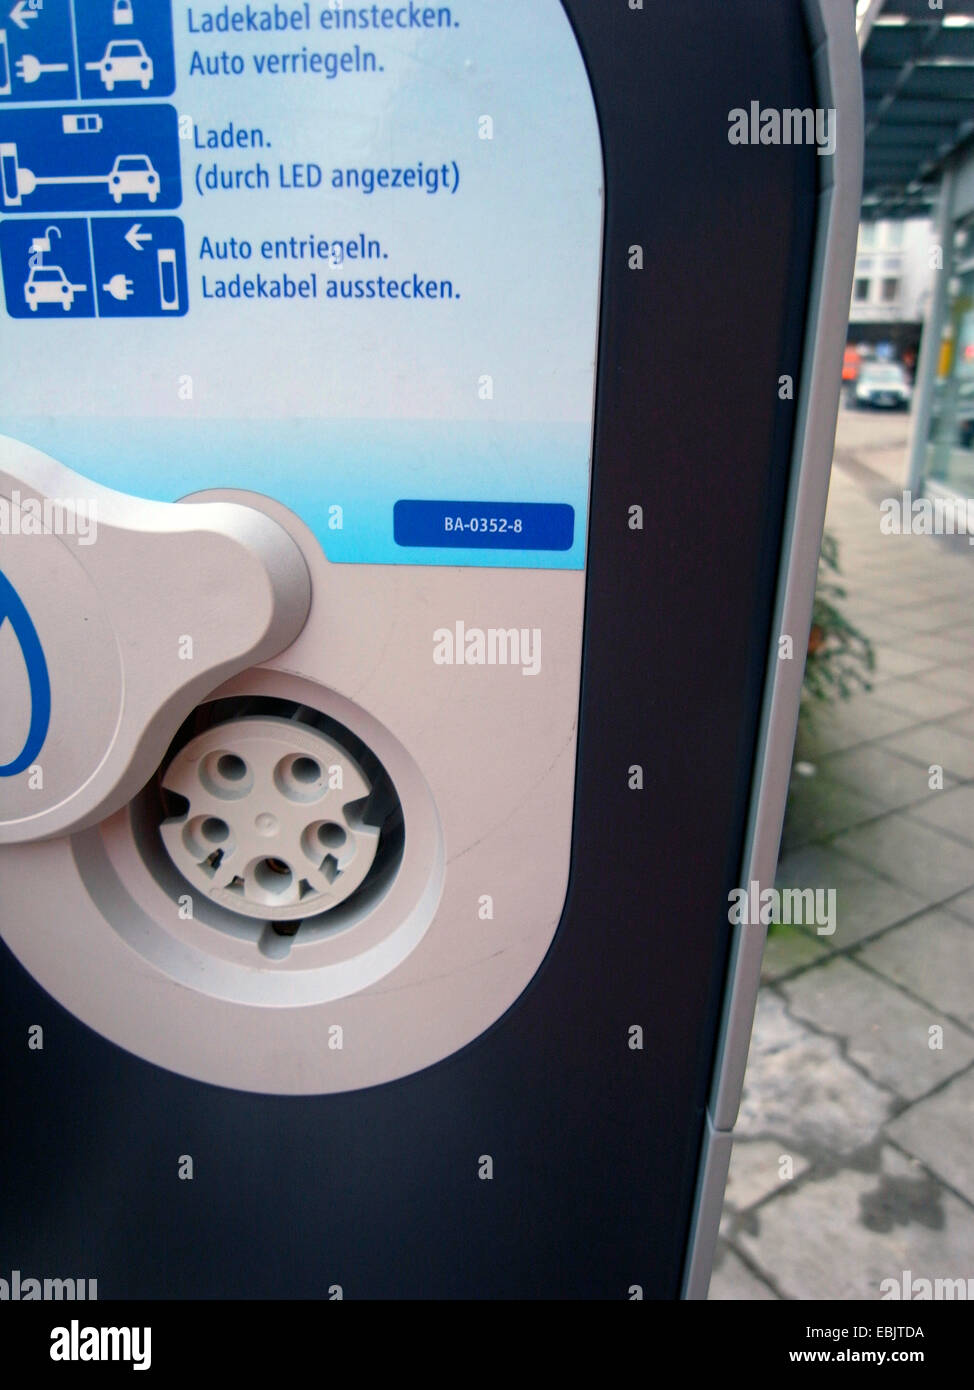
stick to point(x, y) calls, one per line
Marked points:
point(125, 49)
point(486, 525)
point(126, 159)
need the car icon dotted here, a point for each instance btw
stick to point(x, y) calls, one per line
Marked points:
point(133, 173)
point(125, 60)
point(48, 284)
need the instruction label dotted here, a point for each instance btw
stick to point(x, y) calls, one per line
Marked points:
point(375, 231)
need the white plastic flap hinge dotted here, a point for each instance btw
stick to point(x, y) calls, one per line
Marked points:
point(117, 617)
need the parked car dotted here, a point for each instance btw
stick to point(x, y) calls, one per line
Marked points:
point(883, 384)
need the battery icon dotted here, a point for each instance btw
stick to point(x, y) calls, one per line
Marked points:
point(9, 180)
point(4, 65)
point(168, 283)
point(88, 124)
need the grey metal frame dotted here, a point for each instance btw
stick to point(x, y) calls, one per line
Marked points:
point(838, 81)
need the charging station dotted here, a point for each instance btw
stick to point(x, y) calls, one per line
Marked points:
point(416, 426)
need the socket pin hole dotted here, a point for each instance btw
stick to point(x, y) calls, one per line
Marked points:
point(273, 875)
point(331, 836)
point(225, 775)
point(300, 778)
point(305, 770)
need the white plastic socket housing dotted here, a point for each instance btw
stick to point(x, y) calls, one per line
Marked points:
point(442, 936)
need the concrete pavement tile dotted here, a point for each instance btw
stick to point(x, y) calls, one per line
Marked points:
point(790, 948)
point(732, 1281)
point(938, 1132)
point(864, 902)
point(840, 1238)
point(936, 744)
point(932, 957)
point(819, 807)
point(845, 723)
point(921, 617)
point(952, 811)
point(922, 859)
point(905, 578)
point(861, 596)
point(879, 627)
point(958, 612)
point(886, 1033)
point(893, 661)
point(959, 678)
point(862, 604)
point(916, 593)
point(964, 723)
point(944, 650)
point(962, 906)
point(756, 1171)
point(920, 700)
point(960, 630)
point(801, 1092)
point(881, 775)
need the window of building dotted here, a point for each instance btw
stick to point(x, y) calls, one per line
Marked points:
point(861, 291)
point(868, 236)
point(890, 290)
point(894, 235)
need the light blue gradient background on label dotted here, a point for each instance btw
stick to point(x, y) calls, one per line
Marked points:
point(363, 467)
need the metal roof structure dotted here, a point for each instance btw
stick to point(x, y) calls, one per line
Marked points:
point(918, 78)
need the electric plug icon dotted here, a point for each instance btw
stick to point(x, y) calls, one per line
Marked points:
point(29, 69)
point(119, 287)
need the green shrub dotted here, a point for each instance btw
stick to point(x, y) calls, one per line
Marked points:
point(840, 657)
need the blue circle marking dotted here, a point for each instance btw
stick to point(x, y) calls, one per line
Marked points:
point(12, 610)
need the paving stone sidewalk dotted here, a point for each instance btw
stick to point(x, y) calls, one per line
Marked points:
point(853, 1161)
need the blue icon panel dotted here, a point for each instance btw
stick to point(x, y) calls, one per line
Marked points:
point(108, 267)
point(37, 57)
point(117, 49)
point(56, 160)
point(47, 269)
point(140, 268)
point(125, 50)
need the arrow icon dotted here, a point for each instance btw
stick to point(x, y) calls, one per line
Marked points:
point(21, 12)
point(135, 236)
